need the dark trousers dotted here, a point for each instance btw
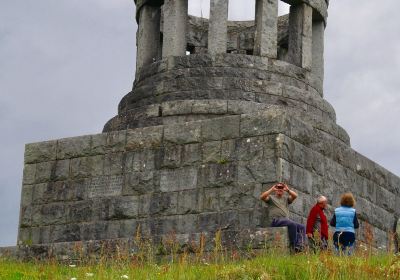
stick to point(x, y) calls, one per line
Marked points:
point(296, 232)
point(344, 240)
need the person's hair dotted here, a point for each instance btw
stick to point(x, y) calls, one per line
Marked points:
point(348, 200)
point(321, 199)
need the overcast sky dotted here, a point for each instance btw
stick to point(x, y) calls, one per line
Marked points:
point(65, 65)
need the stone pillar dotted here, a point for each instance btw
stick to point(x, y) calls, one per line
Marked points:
point(300, 35)
point(148, 36)
point(217, 26)
point(175, 28)
point(266, 39)
point(318, 30)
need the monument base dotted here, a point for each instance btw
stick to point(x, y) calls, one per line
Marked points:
point(196, 177)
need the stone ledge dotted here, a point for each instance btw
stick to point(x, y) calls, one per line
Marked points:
point(257, 239)
point(8, 252)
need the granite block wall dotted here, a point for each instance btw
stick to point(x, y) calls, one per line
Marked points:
point(191, 178)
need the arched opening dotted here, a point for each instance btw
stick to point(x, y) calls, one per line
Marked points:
point(283, 26)
point(199, 14)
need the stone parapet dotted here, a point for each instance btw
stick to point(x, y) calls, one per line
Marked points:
point(181, 111)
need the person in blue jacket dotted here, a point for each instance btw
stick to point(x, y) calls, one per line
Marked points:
point(345, 221)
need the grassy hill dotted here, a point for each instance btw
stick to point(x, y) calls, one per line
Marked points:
point(265, 266)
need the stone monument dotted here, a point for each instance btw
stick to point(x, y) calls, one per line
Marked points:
point(218, 112)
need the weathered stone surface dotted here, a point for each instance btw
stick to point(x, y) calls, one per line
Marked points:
point(141, 160)
point(148, 38)
point(178, 179)
point(266, 41)
point(300, 35)
point(220, 129)
point(260, 171)
point(26, 195)
point(269, 122)
point(136, 183)
point(43, 171)
point(175, 26)
point(61, 170)
point(73, 147)
point(189, 202)
point(217, 174)
point(29, 174)
point(114, 164)
point(85, 167)
point(211, 151)
point(217, 26)
point(49, 214)
point(144, 138)
point(183, 133)
point(123, 208)
point(104, 186)
point(43, 151)
point(318, 29)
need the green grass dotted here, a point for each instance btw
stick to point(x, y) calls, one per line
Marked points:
point(264, 267)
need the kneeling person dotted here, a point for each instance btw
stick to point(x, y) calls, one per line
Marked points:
point(278, 198)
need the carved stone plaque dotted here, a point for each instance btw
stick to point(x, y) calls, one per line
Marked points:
point(105, 186)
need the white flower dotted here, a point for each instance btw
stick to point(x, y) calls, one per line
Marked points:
point(125, 277)
point(72, 265)
point(73, 278)
point(248, 140)
point(89, 274)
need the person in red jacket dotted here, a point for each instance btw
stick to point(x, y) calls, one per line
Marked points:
point(317, 225)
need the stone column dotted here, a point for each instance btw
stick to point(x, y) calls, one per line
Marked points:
point(148, 36)
point(318, 30)
point(217, 26)
point(175, 28)
point(266, 39)
point(300, 35)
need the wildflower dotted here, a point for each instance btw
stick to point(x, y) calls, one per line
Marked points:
point(125, 277)
point(248, 140)
point(73, 278)
point(89, 274)
point(72, 265)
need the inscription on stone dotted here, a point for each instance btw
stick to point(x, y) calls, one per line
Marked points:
point(105, 186)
